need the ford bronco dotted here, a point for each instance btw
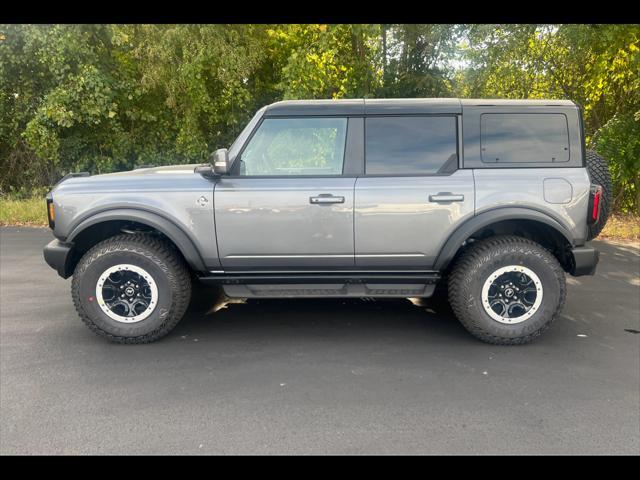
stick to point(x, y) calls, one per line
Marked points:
point(485, 202)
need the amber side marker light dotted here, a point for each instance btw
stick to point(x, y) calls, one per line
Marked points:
point(51, 213)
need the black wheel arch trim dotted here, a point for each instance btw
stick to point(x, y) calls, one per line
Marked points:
point(152, 219)
point(484, 219)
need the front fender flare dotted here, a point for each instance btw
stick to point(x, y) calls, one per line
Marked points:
point(464, 231)
point(160, 223)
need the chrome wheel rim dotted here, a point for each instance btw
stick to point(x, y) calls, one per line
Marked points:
point(512, 294)
point(126, 293)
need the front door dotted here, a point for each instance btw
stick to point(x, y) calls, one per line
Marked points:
point(287, 205)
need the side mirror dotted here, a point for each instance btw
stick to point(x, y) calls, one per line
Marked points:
point(220, 161)
point(218, 165)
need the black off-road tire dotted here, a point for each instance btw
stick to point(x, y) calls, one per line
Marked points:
point(160, 259)
point(479, 262)
point(598, 169)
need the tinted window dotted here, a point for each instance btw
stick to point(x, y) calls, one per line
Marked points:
point(524, 137)
point(296, 146)
point(410, 145)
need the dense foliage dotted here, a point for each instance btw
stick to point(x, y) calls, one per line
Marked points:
point(110, 97)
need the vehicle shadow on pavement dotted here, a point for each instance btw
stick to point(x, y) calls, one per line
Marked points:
point(341, 317)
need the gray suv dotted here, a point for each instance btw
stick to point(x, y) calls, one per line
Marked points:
point(485, 202)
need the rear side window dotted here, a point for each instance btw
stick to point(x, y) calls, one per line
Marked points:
point(524, 138)
point(410, 145)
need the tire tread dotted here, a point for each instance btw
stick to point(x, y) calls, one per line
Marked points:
point(599, 174)
point(462, 275)
point(153, 248)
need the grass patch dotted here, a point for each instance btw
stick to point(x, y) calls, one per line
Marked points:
point(621, 227)
point(29, 211)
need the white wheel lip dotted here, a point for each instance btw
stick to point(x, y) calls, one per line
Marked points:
point(140, 271)
point(511, 268)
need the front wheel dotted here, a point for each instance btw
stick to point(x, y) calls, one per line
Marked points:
point(507, 290)
point(131, 288)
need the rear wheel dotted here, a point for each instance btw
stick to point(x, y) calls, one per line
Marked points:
point(131, 288)
point(507, 290)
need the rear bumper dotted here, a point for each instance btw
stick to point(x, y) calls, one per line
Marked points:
point(58, 255)
point(585, 260)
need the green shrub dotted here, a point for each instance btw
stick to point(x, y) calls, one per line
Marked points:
point(619, 142)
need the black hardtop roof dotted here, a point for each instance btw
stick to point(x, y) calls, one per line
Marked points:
point(389, 106)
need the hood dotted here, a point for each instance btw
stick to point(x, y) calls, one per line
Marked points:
point(154, 178)
point(168, 169)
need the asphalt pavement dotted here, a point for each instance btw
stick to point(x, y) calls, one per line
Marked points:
point(317, 376)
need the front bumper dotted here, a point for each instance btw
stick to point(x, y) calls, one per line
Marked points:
point(585, 260)
point(58, 255)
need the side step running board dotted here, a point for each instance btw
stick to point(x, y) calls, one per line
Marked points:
point(231, 278)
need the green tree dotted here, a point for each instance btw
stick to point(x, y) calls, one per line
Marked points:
point(415, 60)
point(108, 97)
point(326, 61)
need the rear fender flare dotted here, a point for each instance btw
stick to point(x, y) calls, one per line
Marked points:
point(464, 231)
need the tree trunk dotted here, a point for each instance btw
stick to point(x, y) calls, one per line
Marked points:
point(384, 55)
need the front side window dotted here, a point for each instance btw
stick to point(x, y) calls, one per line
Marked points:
point(411, 145)
point(296, 146)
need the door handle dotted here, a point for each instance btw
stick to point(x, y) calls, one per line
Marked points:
point(325, 198)
point(446, 197)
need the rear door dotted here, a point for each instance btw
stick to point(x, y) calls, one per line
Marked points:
point(288, 205)
point(412, 195)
